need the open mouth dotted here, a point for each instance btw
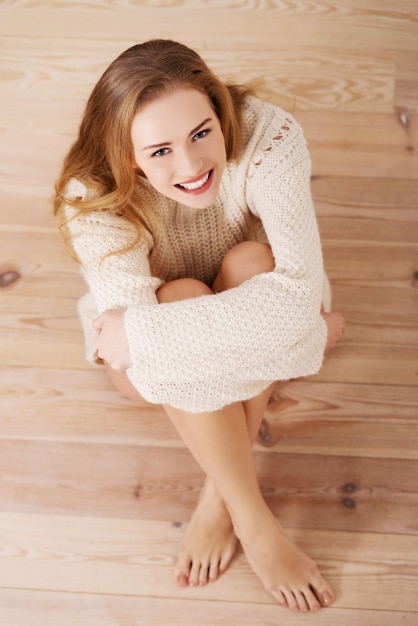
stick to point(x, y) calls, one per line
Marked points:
point(197, 186)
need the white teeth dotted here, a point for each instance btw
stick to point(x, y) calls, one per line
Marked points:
point(196, 185)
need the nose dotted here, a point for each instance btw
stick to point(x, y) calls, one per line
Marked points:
point(189, 164)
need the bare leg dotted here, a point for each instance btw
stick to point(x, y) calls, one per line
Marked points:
point(210, 542)
point(221, 444)
point(286, 572)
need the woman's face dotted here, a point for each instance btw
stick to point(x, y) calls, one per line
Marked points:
point(179, 146)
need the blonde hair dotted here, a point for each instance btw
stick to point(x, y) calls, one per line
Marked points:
point(102, 155)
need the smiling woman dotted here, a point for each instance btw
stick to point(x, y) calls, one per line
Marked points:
point(188, 165)
point(187, 203)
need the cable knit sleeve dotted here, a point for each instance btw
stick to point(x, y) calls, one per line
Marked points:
point(204, 353)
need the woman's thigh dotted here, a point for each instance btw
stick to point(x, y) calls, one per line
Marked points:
point(122, 383)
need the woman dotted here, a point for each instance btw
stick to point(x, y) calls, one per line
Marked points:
point(187, 203)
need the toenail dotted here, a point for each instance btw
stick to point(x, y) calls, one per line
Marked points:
point(326, 598)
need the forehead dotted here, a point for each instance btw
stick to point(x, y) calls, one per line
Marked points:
point(171, 115)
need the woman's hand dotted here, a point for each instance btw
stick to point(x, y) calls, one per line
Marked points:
point(335, 323)
point(111, 342)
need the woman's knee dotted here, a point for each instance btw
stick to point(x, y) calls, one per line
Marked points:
point(182, 289)
point(244, 261)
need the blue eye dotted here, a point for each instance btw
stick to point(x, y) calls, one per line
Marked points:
point(201, 134)
point(161, 152)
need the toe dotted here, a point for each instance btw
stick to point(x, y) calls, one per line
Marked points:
point(301, 601)
point(318, 595)
point(327, 598)
point(291, 600)
point(214, 570)
point(203, 574)
point(181, 579)
point(323, 591)
point(279, 597)
point(181, 574)
point(194, 574)
point(311, 599)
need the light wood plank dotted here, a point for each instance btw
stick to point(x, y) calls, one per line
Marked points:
point(132, 557)
point(307, 78)
point(41, 608)
point(303, 416)
point(366, 209)
point(343, 419)
point(303, 23)
point(406, 84)
point(369, 365)
point(368, 263)
point(354, 144)
point(79, 406)
point(138, 482)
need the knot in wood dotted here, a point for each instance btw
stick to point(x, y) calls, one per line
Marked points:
point(349, 488)
point(8, 277)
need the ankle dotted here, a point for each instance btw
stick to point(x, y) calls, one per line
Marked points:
point(250, 525)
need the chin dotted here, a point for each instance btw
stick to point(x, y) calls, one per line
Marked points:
point(199, 204)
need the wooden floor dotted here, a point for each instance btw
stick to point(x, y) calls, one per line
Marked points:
point(96, 493)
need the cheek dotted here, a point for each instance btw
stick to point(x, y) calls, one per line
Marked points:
point(157, 176)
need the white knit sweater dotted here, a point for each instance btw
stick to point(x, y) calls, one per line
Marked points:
point(201, 354)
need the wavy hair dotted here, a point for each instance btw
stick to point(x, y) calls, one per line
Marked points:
point(102, 156)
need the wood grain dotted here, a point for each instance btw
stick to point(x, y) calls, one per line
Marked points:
point(43, 608)
point(343, 419)
point(309, 78)
point(406, 82)
point(140, 482)
point(255, 23)
point(366, 209)
point(135, 557)
point(303, 416)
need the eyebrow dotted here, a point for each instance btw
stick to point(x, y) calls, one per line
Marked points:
point(169, 143)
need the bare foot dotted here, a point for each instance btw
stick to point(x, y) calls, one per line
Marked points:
point(286, 572)
point(209, 544)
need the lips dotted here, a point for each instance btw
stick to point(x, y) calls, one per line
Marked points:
point(197, 185)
